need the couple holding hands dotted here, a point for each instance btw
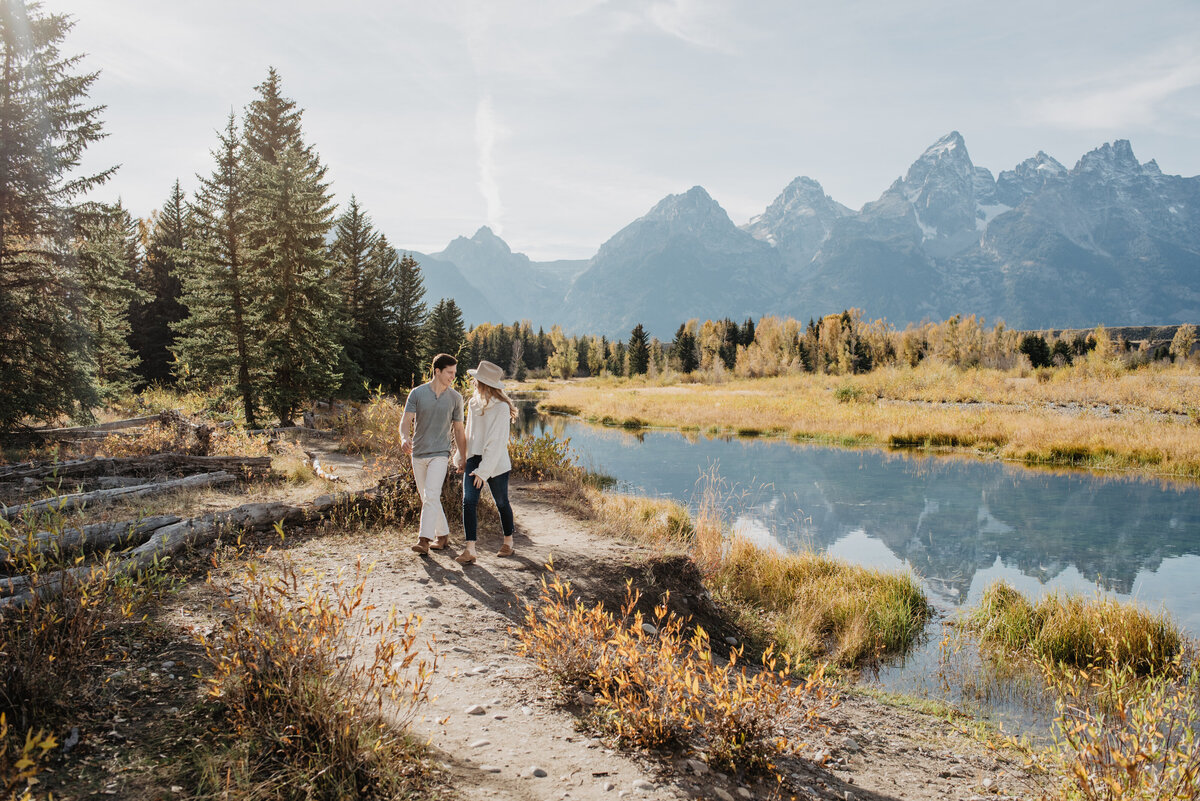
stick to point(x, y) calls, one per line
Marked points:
point(433, 416)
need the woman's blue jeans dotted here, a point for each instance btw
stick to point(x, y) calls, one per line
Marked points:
point(499, 486)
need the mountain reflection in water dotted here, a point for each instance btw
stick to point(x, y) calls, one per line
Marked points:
point(960, 524)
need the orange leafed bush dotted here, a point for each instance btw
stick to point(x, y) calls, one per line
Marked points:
point(656, 687)
point(1125, 737)
point(308, 704)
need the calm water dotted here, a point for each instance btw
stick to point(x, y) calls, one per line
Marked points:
point(958, 524)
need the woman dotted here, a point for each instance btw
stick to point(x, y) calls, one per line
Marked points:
point(490, 412)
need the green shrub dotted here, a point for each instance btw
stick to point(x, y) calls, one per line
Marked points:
point(849, 393)
point(542, 457)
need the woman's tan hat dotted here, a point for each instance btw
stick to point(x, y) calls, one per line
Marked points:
point(488, 373)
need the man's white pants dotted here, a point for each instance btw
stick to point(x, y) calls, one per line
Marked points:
point(430, 473)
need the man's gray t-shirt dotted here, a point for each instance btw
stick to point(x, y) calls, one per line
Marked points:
point(432, 436)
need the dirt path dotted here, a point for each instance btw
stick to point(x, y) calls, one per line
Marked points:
point(503, 732)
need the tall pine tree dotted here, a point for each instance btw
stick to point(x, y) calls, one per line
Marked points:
point(410, 323)
point(153, 336)
point(348, 255)
point(45, 126)
point(109, 260)
point(639, 351)
point(217, 343)
point(444, 330)
point(367, 270)
point(381, 317)
point(683, 350)
point(289, 214)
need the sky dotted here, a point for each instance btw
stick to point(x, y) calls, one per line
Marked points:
point(557, 123)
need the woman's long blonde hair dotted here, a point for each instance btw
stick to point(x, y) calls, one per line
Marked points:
point(491, 394)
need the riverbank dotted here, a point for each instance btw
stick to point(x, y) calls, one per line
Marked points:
point(497, 728)
point(1140, 422)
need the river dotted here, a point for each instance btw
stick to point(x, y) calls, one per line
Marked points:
point(959, 524)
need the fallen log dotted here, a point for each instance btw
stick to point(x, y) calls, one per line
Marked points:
point(83, 432)
point(90, 538)
point(319, 469)
point(98, 497)
point(169, 540)
point(115, 425)
point(170, 463)
point(271, 433)
point(114, 482)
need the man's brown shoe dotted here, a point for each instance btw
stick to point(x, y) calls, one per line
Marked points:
point(505, 550)
point(440, 544)
point(465, 558)
point(422, 546)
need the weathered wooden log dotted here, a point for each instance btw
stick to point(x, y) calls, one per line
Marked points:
point(170, 463)
point(92, 538)
point(115, 482)
point(82, 432)
point(171, 539)
point(319, 469)
point(322, 433)
point(98, 497)
point(115, 425)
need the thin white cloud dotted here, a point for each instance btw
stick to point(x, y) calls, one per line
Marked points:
point(693, 21)
point(1132, 98)
point(486, 131)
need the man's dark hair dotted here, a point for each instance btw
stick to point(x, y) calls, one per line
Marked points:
point(442, 361)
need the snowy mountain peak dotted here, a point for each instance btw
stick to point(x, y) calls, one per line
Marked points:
point(803, 195)
point(695, 203)
point(946, 145)
point(942, 187)
point(946, 154)
point(1045, 163)
point(799, 220)
point(1027, 178)
point(1110, 160)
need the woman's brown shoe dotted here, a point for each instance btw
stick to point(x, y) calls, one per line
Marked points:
point(505, 550)
point(422, 546)
point(465, 558)
point(440, 544)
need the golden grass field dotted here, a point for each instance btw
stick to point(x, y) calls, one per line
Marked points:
point(1147, 420)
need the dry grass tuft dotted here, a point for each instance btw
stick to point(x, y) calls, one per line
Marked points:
point(654, 521)
point(374, 428)
point(1079, 632)
point(816, 606)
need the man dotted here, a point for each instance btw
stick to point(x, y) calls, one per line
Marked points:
point(437, 410)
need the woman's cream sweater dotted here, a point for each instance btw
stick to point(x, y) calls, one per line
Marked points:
point(487, 436)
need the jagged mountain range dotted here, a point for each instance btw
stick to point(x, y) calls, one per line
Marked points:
point(1110, 241)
